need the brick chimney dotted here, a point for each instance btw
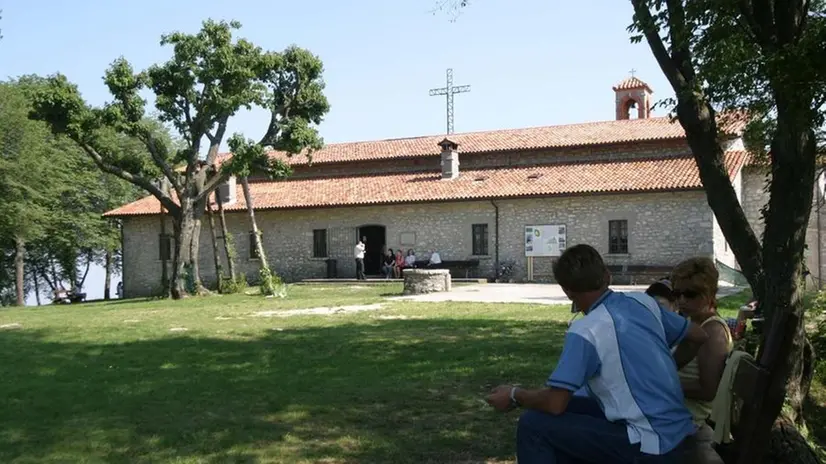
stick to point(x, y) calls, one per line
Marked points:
point(633, 94)
point(450, 159)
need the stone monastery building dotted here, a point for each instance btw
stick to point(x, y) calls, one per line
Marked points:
point(628, 187)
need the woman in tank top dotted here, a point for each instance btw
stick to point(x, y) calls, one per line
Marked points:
point(694, 293)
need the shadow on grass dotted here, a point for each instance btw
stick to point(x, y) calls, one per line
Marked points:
point(392, 391)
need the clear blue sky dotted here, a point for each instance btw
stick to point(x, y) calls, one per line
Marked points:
point(529, 62)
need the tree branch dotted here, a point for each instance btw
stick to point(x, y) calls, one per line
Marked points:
point(211, 185)
point(652, 36)
point(789, 16)
point(272, 128)
point(758, 16)
point(215, 141)
point(698, 119)
point(149, 141)
point(680, 39)
point(140, 181)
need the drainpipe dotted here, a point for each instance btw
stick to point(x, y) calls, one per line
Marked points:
point(496, 237)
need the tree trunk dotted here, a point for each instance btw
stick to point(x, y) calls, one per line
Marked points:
point(20, 253)
point(165, 287)
point(107, 281)
point(85, 272)
point(195, 247)
point(787, 217)
point(788, 446)
point(36, 282)
point(57, 282)
point(225, 232)
point(184, 228)
point(259, 246)
point(219, 272)
point(45, 276)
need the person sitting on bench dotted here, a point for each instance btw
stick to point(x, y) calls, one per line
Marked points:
point(620, 352)
point(695, 293)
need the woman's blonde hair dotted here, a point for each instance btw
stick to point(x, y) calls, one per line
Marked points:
point(699, 274)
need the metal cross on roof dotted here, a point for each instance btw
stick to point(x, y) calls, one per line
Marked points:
point(633, 71)
point(449, 90)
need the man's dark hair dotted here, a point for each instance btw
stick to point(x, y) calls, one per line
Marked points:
point(581, 269)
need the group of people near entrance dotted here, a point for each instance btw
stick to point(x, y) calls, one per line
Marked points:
point(393, 263)
point(637, 375)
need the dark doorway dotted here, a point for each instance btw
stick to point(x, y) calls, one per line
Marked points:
point(375, 239)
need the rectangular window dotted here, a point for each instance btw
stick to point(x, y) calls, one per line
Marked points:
point(320, 243)
point(253, 246)
point(618, 237)
point(480, 239)
point(164, 247)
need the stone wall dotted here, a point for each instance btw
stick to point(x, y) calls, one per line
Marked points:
point(755, 197)
point(722, 250)
point(664, 228)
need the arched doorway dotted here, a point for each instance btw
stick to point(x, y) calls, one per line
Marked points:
point(375, 237)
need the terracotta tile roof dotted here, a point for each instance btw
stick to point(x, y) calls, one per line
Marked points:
point(565, 136)
point(549, 180)
point(632, 83)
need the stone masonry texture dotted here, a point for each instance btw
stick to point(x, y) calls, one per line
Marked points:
point(664, 228)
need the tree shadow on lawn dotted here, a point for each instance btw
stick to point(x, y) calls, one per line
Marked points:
point(390, 391)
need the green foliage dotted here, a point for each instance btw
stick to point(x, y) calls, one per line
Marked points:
point(738, 70)
point(54, 194)
point(210, 77)
point(816, 318)
point(248, 157)
point(229, 286)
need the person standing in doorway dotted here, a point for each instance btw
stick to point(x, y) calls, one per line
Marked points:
point(359, 252)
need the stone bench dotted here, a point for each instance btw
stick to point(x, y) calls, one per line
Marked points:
point(458, 265)
point(418, 281)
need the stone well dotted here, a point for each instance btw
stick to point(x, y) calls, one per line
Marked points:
point(418, 281)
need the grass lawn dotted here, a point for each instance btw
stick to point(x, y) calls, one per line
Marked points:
point(124, 382)
point(211, 380)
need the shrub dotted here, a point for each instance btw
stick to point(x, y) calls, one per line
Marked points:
point(228, 286)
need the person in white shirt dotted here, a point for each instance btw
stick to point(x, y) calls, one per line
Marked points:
point(410, 259)
point(435, 259)
point(359, 252)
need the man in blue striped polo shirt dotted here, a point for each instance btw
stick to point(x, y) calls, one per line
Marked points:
point(619, 353)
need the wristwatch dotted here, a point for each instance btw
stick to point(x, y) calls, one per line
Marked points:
point(514, 403)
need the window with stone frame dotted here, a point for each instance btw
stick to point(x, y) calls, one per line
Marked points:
point(618, 237)
point(319, 243)
point(480, 239)
point(253, 246)
point(164, 247)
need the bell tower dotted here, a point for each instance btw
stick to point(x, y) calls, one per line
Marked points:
point(634, 95)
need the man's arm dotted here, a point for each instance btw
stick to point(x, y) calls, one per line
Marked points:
point(551, 400)
point(690, 345)
point(578, 363)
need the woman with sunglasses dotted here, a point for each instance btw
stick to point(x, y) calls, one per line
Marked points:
point(694, 283)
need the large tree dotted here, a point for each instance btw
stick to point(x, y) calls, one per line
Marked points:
point(765, 57)
point(210, 77)
point(31, 175)
point(54, 197)
point(762, 60)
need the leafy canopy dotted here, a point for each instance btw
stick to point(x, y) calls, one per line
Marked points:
point(210, 77)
